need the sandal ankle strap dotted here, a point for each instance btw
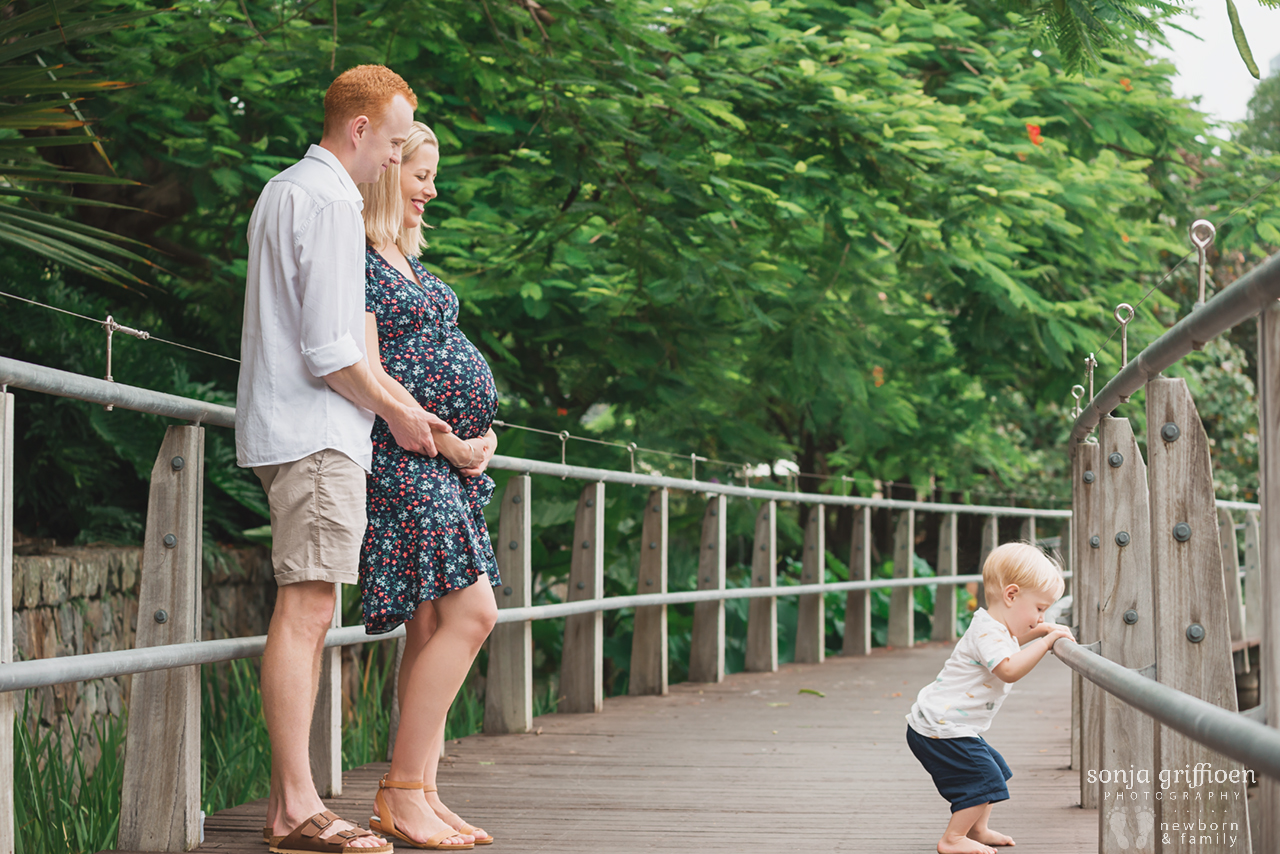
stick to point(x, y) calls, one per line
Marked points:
point(430, 789)
point(384, 783)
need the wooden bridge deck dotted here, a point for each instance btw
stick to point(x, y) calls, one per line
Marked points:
point(747, 764)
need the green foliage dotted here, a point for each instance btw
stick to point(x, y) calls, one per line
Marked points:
point(59, 805)
point(36, 101)
point(1262, 127)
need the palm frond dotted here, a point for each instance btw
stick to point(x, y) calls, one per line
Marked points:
point(36, 100)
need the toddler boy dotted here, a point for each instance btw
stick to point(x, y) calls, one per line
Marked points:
point(945, 726)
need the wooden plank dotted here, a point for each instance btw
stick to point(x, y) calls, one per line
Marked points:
point(1230, 557)
point(902, 600)
point(160, 797)
point(706, 647)
point(857, 608)
point(326, 720)
point(811, 619)
point(990, 539)
point(1189, 593)
point(762, 614)
point(508, 695)
point(582, 656)
point(1268, 802)
point(701, 769)
point(649, 639)
point(1086, 514)
point(1128, 736)
point(1252, 576)
point(1065, 551)
point(944, 602)
point(8, 839)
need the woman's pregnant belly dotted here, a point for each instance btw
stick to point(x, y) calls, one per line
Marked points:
point(449, 378)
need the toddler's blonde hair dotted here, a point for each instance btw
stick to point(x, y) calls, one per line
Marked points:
point(1022, 564)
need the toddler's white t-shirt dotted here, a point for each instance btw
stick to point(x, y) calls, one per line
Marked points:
point(965, 697)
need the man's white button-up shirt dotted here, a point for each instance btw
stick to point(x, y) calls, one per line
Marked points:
point(303, 317)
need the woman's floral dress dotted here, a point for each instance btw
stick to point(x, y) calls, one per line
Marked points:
point(426, 534)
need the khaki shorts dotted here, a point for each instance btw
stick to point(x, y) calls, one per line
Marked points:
point(317, 517)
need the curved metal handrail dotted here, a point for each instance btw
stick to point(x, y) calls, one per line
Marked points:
point(1239, 301)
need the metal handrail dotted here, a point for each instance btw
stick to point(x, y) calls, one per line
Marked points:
point(1229, 733)
point(31, 377)
point(659, 481)
point(43, 672)
point(1240, 300)
point(39, 378)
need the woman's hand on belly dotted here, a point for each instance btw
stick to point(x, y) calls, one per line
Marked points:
point(487, 444)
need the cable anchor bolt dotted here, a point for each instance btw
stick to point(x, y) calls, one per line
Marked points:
point(1124, 337)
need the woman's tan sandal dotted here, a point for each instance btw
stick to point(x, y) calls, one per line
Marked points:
point(385, 823)
point(466, 829)
point(309, 838)
point(269, 838)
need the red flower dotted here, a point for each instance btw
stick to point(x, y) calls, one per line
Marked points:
point(1124, 81)
point(562, 412)
point(1033, 133)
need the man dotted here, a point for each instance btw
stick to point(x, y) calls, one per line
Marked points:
point(306, 401)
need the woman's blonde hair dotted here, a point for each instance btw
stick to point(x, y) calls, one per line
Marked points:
point(384, 205)
point(1024, 565)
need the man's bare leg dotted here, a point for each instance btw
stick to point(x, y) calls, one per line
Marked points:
point(290, 680)
point(956, 839)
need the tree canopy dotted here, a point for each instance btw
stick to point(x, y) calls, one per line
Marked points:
point(874, 239)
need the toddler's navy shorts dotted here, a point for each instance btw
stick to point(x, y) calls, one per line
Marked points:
point(967, 771)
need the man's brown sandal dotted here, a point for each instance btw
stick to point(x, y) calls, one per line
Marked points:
point(385, 823)
point(466, 829)
point(269, 838)
point(307, 838)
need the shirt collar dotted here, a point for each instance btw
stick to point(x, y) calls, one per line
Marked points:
point(328, 158)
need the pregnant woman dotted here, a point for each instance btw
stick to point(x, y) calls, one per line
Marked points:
point(427, 560)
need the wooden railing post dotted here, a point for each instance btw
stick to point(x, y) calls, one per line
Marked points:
point(944, 600)
point(1268, 802)
point(326, 719)
point(1066, 550)
point(1027, 531)
point(706, 648)
point(902, 600)
point(582, 656)
point(811, 617)
point(508, 691)
point(8, 701)
point(990, 539)
point(762, 614)
point(1086, 569)
point(1228, 543)
point(160, 797)
point(1252, 577)
point(1193, 631)
point(1126, 628)
point(649, 637)
point(857, 608)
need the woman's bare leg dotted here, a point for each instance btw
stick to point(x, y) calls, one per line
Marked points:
point(431, 673)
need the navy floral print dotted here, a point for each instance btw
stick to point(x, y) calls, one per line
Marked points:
point(426, 534)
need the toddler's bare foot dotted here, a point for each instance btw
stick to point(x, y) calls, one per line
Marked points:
point(963, 845)
point(988, 836)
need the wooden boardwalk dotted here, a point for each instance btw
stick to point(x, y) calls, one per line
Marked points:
point(749, 764)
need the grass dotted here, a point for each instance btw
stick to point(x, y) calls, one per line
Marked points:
point(59, 805)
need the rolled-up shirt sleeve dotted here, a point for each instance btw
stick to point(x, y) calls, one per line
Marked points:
point(331, 284)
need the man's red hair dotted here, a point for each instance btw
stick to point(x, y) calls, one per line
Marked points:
point(364, 90)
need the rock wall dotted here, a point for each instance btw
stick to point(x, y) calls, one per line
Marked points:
point(78, 600)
